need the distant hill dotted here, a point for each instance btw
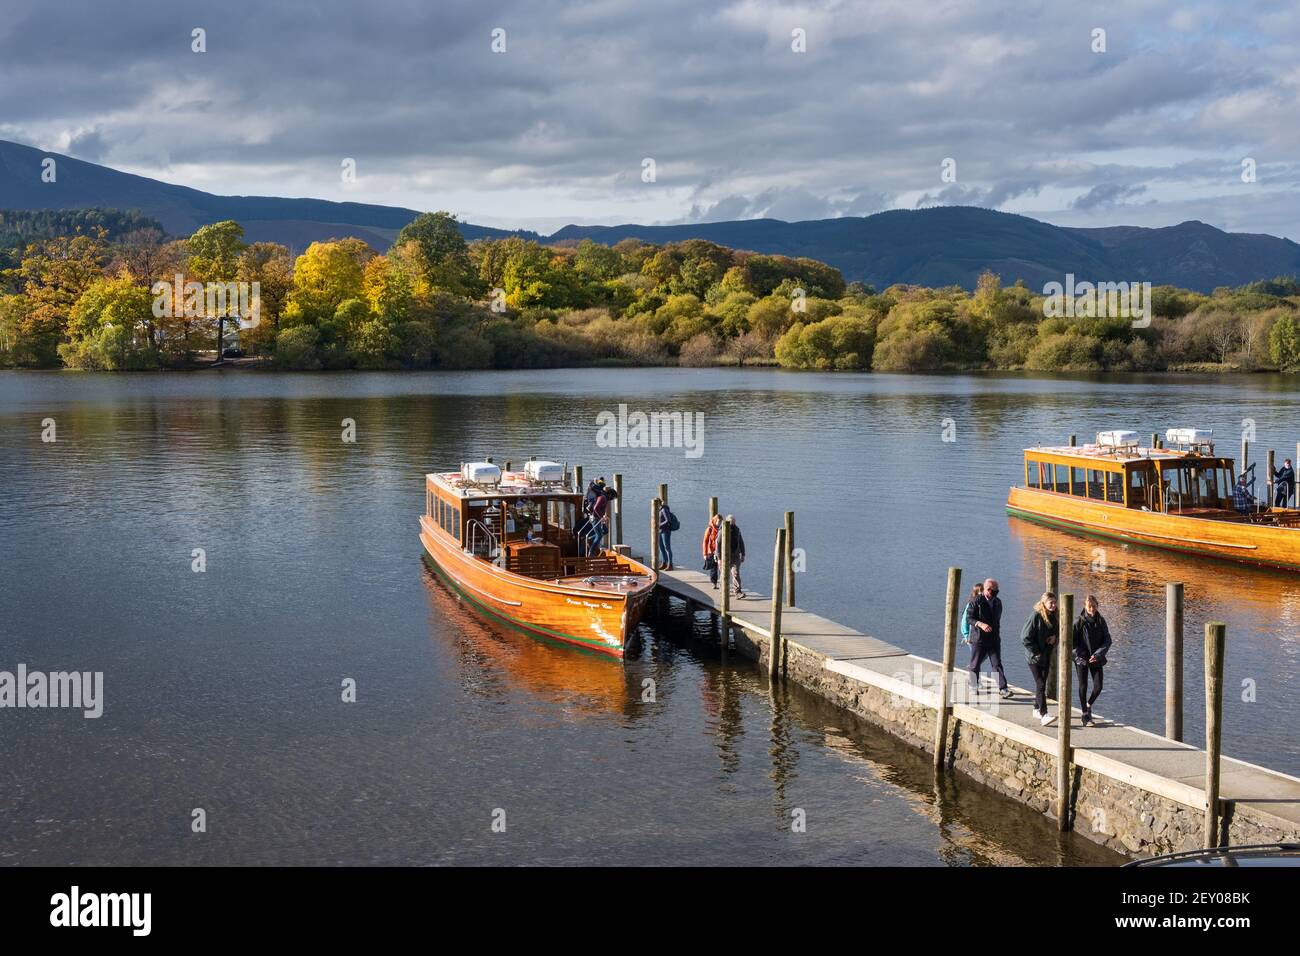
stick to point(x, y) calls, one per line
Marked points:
point(947, 245)
point(181, 210)
point(952, 245)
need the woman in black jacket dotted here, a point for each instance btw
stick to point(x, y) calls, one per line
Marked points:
point(1039, 637)
point(1091, 644)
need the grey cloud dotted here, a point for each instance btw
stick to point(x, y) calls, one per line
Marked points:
point(738, 124)
point(1107, 195)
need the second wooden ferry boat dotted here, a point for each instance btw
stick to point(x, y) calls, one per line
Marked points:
point(1178, 497)
point(508, 544)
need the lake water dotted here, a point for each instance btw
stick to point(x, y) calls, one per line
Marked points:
point(223, 688)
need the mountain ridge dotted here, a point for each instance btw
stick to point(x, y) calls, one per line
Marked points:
point(936, 246)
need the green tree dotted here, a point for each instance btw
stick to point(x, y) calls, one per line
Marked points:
point(215, 252)
point(1284, 343)
point(442, 252)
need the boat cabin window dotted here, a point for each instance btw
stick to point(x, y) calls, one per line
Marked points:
point(1062, 479)
point(1096, 484)
point(1198, 485)
point(1076, 480)
point(1142, 488)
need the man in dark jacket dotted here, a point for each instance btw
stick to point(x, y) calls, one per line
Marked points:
point(1283, 483)
point(986, 637)
point(1091, 644)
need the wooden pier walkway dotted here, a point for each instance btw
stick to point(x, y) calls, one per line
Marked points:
point(1144, 760)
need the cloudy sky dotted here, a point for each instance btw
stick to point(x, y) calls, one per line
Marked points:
point(555, 129)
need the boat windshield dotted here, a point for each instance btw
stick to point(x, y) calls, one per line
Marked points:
point(1197, 484)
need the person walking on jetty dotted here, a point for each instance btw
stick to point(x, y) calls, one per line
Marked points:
point(965, 624)
point(985, 630)
point(668, 523)
point(1039, 637)
point(737, 550)
point(1283, 483)
point(710, 545)
point(1091, 644)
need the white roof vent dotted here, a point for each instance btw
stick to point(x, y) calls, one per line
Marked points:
point(480, 473)
point(543, 471)
point(1117, 439)
point(1188, 436)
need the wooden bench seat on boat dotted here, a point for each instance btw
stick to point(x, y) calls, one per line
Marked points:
point(533, 560)
point(587, 567)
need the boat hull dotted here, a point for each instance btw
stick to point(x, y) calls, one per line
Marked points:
point(1244, 543)
point(596, 621)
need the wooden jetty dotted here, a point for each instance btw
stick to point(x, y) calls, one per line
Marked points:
point(1125, 787)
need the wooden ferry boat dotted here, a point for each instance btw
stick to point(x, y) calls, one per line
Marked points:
point(506, 543)
point(1178, 497)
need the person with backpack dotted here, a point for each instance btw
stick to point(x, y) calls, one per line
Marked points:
point(596, 536)
point(985, 628)
point(668, 523)
point(737, 552)
point(1039, 637)
point(1091, 644)
point(710, 543)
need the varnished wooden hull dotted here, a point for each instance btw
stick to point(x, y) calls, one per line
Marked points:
point(595, 620)
point(1229, 540)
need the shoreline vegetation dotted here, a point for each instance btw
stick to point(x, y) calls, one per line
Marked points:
point(77, 291)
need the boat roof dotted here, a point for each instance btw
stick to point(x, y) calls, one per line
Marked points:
point(1121, 454)
point(514, 484)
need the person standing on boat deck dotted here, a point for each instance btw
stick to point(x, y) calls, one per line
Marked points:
point(1242, 499)
point(596, 538)
point(986, 637)
point(1091, 642)
point(665, 537)
point(711, 534)
point(737, 549)
point(1039, 637)
point(1283, 482)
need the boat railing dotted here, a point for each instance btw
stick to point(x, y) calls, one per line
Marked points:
point(481, 540)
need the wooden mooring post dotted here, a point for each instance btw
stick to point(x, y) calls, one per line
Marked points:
point(1174, 661)
point(778, 579)
point(1269, 477)
point(789, 558)
point(663, 493)
point(724, 602)
point(1073, 441)
point(618, 509)
point(1215, 638)
point(1064, 639)
point(949, 652)
point(577, 479)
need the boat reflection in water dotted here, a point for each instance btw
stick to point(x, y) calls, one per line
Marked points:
point(582, 683)
point(1259, 601)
